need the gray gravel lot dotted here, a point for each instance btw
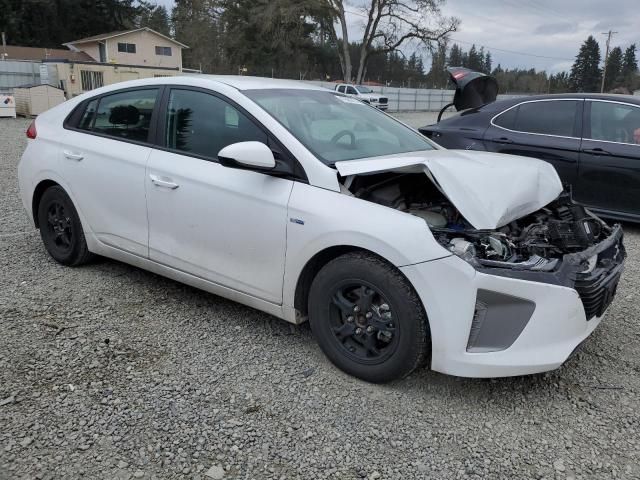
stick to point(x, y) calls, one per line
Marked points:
point(419, 119)
point(108, 371)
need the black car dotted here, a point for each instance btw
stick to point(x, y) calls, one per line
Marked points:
point(592, 140)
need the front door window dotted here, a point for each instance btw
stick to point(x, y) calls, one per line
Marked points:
point(614, 122)
point(203, 124)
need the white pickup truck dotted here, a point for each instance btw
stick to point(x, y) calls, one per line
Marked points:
point(363, 93)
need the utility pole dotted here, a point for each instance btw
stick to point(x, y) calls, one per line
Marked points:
point(606, 58)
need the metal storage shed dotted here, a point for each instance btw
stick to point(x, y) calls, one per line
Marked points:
point(35, 99)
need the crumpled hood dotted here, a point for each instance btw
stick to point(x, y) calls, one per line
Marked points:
point(488, 189)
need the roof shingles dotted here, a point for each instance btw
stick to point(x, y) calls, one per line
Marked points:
point(104, 36)
point(14, 52)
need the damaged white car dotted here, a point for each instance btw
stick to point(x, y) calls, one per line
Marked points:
point(308, 204)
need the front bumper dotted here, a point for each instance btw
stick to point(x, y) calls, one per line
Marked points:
point(449, 288)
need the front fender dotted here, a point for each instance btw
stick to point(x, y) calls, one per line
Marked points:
point(320, 219)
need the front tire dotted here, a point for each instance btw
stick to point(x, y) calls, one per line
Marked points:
point(61, 230)
point(367, 318)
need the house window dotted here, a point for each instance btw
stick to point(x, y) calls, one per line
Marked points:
point(127, 47)
point(91, 80)
point(163, 51)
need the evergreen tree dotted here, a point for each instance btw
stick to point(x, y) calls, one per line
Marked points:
point(629, 71)
point(268, 36)
point(614, 70)
point(475, 59)
point(38, 23)
point(156, 18)
point(586, 72)
point(487, 63)
point(438, 77)
point(195, 23)
point(559, 83)
point(455, 56)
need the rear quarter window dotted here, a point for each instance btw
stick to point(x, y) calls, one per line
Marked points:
point(89, 114)
point(122, 115)
point(507, 118)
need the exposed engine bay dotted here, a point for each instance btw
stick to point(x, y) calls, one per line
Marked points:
point(535, 242)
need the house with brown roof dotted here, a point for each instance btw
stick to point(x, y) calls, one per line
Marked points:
point(99, 60)
point(140, 46)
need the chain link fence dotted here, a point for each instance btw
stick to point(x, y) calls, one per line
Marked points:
point(15, 73)
point(407, 99)
point(412, 99)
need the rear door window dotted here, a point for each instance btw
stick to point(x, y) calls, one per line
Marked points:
point(614, 122)
point(124, 115)
point(557, 117)
point(351, 91)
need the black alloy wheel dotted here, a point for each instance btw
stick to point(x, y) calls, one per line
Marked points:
point(362, 322)
point(61, 229)
point(367, 318)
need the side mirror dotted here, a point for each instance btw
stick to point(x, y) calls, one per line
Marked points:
point(247, 155)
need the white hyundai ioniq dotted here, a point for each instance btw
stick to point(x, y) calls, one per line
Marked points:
point(308, 204)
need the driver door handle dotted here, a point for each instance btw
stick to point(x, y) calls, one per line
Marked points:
point(595, 151)
point(163, 182)
point(72, 155)
point(503, 140)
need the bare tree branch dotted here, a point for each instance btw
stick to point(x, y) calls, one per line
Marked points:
point(390, 24)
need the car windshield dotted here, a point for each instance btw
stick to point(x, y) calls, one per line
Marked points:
point(336, 127)
point(362, 89)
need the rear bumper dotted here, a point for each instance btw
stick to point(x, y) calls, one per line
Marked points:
point(25, 187)
point(449, 289)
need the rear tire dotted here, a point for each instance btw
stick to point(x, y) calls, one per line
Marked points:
point(367, 318)
point(60, 228)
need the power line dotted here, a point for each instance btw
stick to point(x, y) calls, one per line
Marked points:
point(531, 8)
point(486, 47)
point(546, 8)
point(356, 13)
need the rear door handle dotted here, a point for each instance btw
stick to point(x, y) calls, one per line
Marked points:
point(595, 151)
point(503, 140)
point(163, 182)
point(73, 156)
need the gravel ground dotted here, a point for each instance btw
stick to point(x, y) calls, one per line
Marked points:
point(419, 119)
point(107, 371)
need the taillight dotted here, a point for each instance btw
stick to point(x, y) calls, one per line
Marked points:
point(31, 131)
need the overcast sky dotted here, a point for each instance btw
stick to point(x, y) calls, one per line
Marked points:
point(547, 28)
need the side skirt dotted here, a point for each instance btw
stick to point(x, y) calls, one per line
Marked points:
point(281, 311)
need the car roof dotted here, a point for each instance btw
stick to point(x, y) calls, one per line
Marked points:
point(241, 83)
point(246, 82)
point(580, 96)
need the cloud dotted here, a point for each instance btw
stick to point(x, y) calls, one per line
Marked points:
point(552, 28)
point(542, 28)
point(533, 28)
point(606, 24)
